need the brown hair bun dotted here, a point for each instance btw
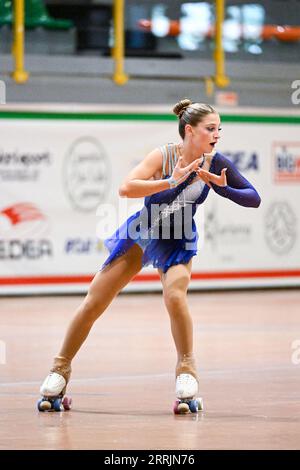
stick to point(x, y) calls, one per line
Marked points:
point(181, 106)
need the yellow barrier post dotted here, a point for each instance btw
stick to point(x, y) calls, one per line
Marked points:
point(209, 86)
point(19, 74)
point(120, 77)
point(221, 79)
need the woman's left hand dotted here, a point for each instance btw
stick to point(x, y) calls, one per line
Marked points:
point(208, 178)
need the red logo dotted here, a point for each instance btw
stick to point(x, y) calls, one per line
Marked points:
point(20, 219)
point(22, 212)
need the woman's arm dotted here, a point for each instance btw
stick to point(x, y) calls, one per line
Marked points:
point(139, 184)
point(231, 184)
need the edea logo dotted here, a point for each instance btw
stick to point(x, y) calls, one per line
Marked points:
point(286, 158)
point(244, 161)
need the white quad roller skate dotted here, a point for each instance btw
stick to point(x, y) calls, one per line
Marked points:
point(187, 386)
point(186, 391)
point(54, 386)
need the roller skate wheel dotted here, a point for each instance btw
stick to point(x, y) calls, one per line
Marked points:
point(200, 404)
point(67, 403)
point(183, 408)
point(57, 406)
point(43, 405)
point(193, 406)
point(175, 407)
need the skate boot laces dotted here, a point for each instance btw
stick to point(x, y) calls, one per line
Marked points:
point(53, 385)
point(186, 386)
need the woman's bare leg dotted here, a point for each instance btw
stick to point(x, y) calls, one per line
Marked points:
point(175, 284)
point(103, 289)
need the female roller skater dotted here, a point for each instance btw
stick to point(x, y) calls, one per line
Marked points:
point(174, 179)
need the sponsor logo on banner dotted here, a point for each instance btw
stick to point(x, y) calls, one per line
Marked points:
point(222, 235)
point(280, 228)
point(244, 161)
point(86, 174)
point(286, 157)
point(21, 227)
point(226, 98)
point(20, 165)
point(82, 246)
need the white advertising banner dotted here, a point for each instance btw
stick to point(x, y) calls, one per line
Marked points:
point(60, 174)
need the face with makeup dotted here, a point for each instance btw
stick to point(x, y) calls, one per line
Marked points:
point(204, 136)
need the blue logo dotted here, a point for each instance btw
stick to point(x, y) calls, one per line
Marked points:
point(243, 160)
point(82, 246)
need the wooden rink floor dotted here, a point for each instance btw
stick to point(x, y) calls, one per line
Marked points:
point(123, 377)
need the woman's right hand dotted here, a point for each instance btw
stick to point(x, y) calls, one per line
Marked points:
point(180, 172)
